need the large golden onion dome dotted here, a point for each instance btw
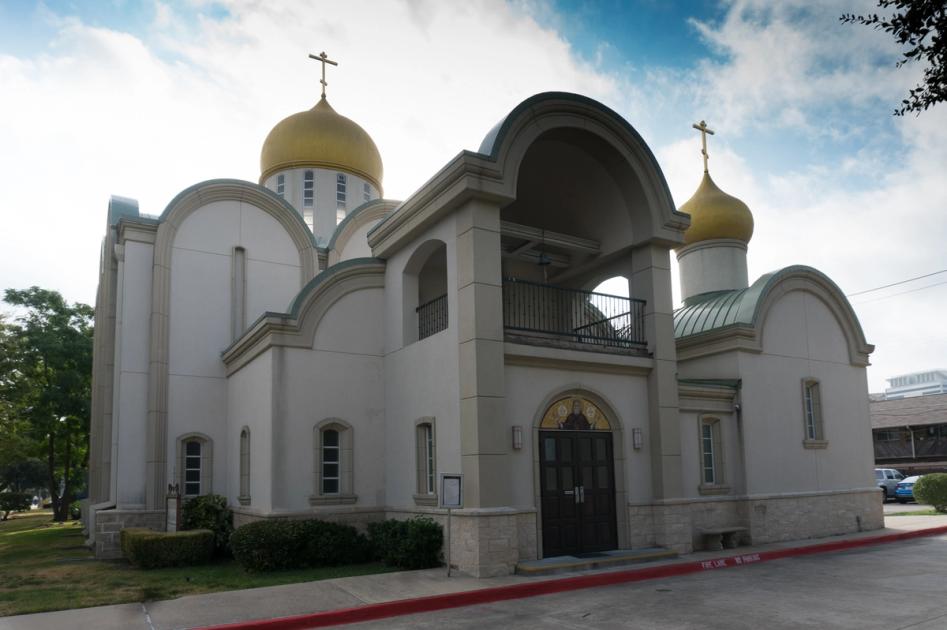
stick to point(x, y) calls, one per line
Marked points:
point(715, 214)
point(321, 138)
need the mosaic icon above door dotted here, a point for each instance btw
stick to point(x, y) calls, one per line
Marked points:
point(574, 413)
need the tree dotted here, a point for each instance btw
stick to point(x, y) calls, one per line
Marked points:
point(46, 385)
point(922, 25)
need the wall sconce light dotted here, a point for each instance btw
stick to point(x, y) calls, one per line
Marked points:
point(517, 437)
point(637, 440)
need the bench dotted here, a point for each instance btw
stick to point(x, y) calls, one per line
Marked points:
point(721, 537)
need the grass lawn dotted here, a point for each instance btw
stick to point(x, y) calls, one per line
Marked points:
point(45, 566)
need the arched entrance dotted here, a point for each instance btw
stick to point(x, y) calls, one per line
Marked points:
point(577, 478)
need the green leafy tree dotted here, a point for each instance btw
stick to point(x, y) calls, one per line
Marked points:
point(45, 386)
point(921, 25)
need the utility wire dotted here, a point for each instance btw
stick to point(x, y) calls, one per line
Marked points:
point(885, 297)
point(894, 284)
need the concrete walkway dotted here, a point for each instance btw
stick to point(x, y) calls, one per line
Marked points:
point(297, 599)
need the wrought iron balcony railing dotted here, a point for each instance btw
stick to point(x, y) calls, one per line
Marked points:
point(543, 310)
point(432, 317)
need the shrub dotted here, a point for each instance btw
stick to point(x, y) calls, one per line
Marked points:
point(14, 502)
point(412, 544)
point(330, 544)
point(278, 545)
point(209, 511)
point(932, 489)
point(267, 546)
point(148, 549)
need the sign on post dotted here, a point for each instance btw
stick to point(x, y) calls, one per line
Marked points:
point(451, 496)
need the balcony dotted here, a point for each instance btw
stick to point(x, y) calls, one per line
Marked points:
point(541, 313)
point(432, 317)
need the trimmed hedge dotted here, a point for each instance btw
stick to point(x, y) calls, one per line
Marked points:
point(412, 544)
point(932, 489)
point(281, 544)
point(210, 511)
point(149, 549)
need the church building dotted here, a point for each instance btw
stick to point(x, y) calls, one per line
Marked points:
point(308, 348)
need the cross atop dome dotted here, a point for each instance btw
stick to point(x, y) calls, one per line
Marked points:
point(324, 59)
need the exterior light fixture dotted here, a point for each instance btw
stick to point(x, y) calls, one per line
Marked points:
point(637, 439)
point(517, 437)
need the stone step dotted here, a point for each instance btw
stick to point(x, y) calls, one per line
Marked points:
point(598, 560)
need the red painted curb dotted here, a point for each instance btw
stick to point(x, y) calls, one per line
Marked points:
point(382, 610)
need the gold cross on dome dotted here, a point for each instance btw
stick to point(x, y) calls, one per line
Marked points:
point(704, 130)
point(324, 59)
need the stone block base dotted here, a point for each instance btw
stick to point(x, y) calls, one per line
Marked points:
point(110, 523)
point(677, 525)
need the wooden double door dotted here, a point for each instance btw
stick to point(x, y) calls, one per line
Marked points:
point(577, 490)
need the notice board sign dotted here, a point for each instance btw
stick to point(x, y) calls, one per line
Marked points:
point(452, 490)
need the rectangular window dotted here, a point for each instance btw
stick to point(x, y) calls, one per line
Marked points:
point(245, 463)
point(309, 189)
point(330, 461)
point(813, 410)
point(708, 450)
point(339, 215)
point(192, 468)
point(366, 192)
point(340, 182)
point(426, 460)
point(281, 185)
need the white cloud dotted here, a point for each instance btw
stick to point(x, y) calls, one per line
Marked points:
point(146, 115)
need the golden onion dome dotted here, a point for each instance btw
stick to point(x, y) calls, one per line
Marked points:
point(321, 138)
point(715, 214)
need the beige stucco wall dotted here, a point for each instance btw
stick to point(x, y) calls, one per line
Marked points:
point(250, 404)
point(200, 314)
point(130, 402)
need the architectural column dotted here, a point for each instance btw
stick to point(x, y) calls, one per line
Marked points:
point(650, 280)
point(483, 428)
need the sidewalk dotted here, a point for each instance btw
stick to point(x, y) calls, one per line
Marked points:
point(353, 592)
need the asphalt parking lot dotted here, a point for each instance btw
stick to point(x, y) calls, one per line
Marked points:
point(893, 507)
point(892, 586)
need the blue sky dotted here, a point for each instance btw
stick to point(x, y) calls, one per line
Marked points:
point(143, 99)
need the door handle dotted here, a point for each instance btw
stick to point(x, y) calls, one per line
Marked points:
point(581, 494)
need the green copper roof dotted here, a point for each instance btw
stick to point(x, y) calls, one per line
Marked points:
point(721, 309)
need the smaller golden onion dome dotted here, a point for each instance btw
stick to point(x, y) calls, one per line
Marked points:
point(715, 214)
point(321, 138)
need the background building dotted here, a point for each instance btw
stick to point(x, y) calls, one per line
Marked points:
point(910, 434)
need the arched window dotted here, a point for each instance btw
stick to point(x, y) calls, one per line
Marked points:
point(244, 497)
point(341, 182)
point(426, 462)
point(194, 465)
point(334, 463)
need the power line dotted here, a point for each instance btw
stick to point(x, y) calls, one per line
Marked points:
point(885, 297)
point(894, 284)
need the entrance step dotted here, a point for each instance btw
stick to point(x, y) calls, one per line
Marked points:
point(597, 560)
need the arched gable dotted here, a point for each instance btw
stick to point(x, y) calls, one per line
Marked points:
point(508, 142)
point(367, 214)
point(727, 320)
point(297, 327)
point(178, 210)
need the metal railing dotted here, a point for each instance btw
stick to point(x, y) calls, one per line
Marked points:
point(432, 317)
point(572, 314)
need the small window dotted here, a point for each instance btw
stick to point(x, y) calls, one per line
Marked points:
point(426, 462)
point(244, 497)
point(340, 183)
point(708, 452)
point(330, 461)
point(334, 459)
point(192, 468)
point(339, 215)
point(812, 403)
point(194, 465)
point(281, 185)
point(366, 192)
